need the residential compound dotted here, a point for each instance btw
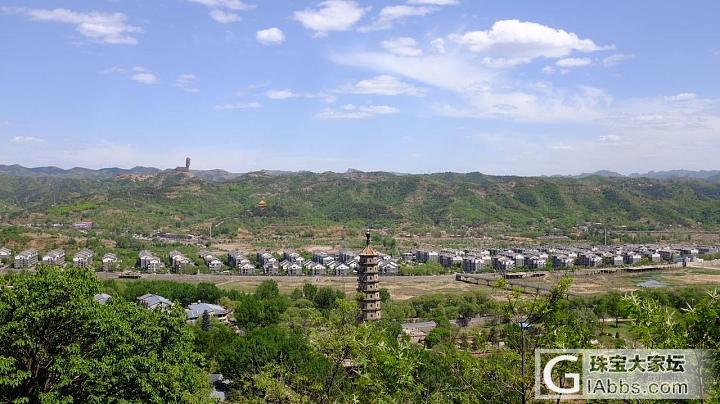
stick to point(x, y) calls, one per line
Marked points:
point(501, 260)
point(346, 262)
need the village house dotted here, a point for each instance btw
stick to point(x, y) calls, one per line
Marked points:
point(472, 265)
point(388, 267)
point(102, 298)
point(294, 270)
point(109, 262)
point(291, 255)
point(417, 332)
point(247, 269)
point(154, 302)
point(26, 259)
point(536, 262)
point(5, 255)
point(425, 256)
point(318, 269)
point(449, 258)
point(502, 263)
point(196, 310)
point(213, 263)
point(54, 257)
point(178, 261)
point(236, 259)
point(688, 251)
point(322, 258)
point(149, 262)
point(652, 256)
point(347, 255)
point(632, 258)
point(83, 258)
point(562, 261)
point(407, 256)
point(589, 260)
point(342, 270)
point(271, 268)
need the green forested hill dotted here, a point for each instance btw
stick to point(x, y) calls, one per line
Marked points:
point(412, 202)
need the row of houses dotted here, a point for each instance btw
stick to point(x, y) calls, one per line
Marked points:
point(30, 258)
point(497, 259)
point(156, 302)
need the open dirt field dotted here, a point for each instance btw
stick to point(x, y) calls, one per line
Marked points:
point(406, 287)
point(625, 282)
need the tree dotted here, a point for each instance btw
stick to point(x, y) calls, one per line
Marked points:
point(62, 346)
point(267, 289)
point(437, 336)
point(206, 321)
point(384, 295)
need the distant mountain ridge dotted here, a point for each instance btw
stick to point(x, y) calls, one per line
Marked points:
point(17, 170)
point(417, 203)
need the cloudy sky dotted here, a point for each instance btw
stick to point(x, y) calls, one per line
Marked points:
point(502, 87)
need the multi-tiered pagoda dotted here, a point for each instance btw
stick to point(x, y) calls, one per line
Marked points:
point(369, 283)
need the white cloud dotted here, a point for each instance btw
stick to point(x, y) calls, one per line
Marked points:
point(549, 70)
point(280, 94)
point(187, 83)
point(533, 104)
point(26, 140)
point(403, 46)
point(455, 71)
point(228, 4)
point(351, 111)
point(143, 76)
point(331, 15)
point(616, 59)
point(239, 105)
point(113, 70)
point(438, 45)
point(390, 14)
point(682, 97)
point(513, 42)
point(111, 28)
point(382, 85)
point(270, 36)
point(224, 17)
point(435, 2)
point(224, 11)
point(573, 62)
point(287, 94)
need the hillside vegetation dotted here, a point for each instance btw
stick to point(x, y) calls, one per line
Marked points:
point(412, 203)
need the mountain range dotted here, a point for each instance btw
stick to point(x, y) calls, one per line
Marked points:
point(222, 175)
point(143, 200)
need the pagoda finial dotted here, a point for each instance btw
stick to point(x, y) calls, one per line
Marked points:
point(367, 238)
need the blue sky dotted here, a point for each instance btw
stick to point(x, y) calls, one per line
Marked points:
point(501, 87)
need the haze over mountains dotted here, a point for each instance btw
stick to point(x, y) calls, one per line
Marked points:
point(220, 175)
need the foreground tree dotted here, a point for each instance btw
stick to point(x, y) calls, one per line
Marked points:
point(59, 345)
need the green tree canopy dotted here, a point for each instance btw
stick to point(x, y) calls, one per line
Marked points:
point(60, 345)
